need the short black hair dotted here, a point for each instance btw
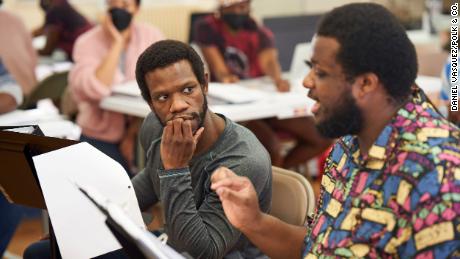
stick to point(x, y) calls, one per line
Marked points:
point(138, 2)
point(162, 54)
point(372, 40)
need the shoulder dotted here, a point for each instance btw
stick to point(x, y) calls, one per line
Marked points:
point(92, 36)
point(265, 31)
point(436, 140)
point(150, 130)
point(242, 152)
point(92, 40)
point(428, 159)
point(10, 18)
point(208, 22)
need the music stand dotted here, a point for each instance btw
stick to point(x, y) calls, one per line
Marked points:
point(18, 180)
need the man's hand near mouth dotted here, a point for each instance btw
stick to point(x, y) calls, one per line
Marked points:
point(178, 143)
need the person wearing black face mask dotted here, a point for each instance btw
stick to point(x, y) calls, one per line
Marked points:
point(63, 25)
point(237, 21)
point(120, 18)
point(106, 56)
point(236, 47)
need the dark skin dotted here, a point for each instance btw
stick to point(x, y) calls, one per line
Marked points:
point(51, 33)
point(369, 93)
point(268, 58)
point(327, 83)
point(176, 97)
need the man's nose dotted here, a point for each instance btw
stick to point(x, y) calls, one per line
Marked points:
point(308, 81)
point(178, 104)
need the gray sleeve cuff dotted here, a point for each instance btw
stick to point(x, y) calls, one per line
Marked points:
point(173, 172)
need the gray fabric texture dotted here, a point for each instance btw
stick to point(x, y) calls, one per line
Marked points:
point(194, 218)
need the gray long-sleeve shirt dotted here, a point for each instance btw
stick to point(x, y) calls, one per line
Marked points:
point(195, 220)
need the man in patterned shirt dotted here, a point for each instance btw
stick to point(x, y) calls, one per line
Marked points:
point(391, 187)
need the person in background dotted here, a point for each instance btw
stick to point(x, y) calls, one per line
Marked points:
point(236, 47)
point(63, 25)
point(10, 92)
point(17, 76)
point(17, 55)
point(105, 56)
point(391, 184)
point(185, 142)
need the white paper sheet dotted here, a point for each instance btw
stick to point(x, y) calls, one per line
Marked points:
point(234, 93)
point(150, 245)
point(128, 88)
point(79, 226)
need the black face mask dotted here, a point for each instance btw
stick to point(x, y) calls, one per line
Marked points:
point(120, 18)
point(236, 21)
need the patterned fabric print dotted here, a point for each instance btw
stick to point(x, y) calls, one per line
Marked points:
point(401, 201)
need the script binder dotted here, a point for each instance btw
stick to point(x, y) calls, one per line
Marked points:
point(18, 178)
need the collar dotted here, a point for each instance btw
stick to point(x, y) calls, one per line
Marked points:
point(406, 125)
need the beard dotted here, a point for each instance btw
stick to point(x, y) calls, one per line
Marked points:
point(345, 119)
point(199, 116)
point(202, 114)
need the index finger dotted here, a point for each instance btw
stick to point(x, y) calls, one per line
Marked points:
point(167, 132)
point(187, 129)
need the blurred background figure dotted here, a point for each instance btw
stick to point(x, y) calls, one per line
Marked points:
point(236, 47)
point(18, 60)
point(17, 68)
point(105, 56)
point(63, 25)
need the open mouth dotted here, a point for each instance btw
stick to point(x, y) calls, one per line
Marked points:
point(316, 106)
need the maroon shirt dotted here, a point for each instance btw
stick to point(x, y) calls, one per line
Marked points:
point(240, 48)
point(69, 23)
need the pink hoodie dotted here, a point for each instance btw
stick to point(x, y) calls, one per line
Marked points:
point(89, 51)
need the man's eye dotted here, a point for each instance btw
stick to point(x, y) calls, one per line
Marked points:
point(320, 74)
point(188, 90)
point(162, 98)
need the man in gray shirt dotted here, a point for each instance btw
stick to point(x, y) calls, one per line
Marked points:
point(185, 142)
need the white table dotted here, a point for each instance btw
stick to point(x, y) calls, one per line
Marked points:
point(126, 99)
point(50, 122)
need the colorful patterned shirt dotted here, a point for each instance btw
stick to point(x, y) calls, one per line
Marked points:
point(400, 201)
